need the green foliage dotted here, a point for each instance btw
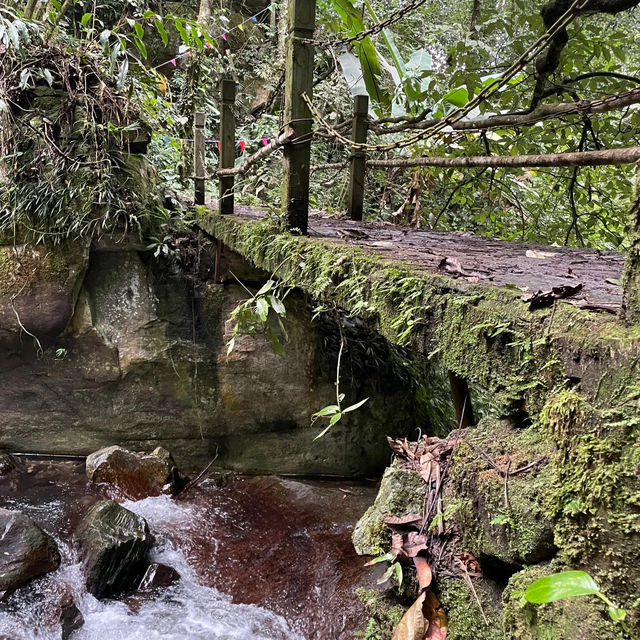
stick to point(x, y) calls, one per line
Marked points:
point(558, 586)
point(570, 584)
point(252, 317)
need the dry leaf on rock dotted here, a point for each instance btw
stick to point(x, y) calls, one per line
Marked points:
point(409, 520)
point(425, 620)
point(541, 299)
point(423, 571)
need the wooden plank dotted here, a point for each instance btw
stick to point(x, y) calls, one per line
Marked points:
point(299, 80)
point(358, 158)
point(227, 145)
point(199, 158)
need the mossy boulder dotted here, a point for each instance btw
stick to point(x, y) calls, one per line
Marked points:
point(401, 491)
point(114, 544)
point(506, 518)
point(580, 618)
point(385, 613)
point(472, 617)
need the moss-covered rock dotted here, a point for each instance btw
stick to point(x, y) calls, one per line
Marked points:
point(472, 616)
point(580, 618)
point(38, 288)
point(385, 613)
point(402, 491)
point(506, 519)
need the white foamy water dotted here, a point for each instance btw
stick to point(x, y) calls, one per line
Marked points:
point(185, 611)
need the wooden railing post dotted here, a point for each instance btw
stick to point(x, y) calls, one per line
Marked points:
point(227, 145)
point(199, 158)
point(358, 157)
point(297, 115)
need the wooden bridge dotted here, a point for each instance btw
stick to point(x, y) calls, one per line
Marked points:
point(588, 279)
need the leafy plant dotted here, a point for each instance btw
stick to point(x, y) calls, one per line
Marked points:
point(252, 316)
point(335, 412)
point(570, 584)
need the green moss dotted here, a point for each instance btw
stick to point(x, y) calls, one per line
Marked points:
point(23, 266)
point(401, 491)
point(467, 620)
point(581, 618)
point(486, 335)
point(505, 520)
point(595, 493)
point(385, 614)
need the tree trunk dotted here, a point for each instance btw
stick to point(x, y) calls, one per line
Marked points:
point(475, 15)
point(631, 277)
point(204, 14)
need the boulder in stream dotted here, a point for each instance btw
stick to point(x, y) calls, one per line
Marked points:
point(137, 475)
point(114, 543)
point(26, 551)
point(158, 576)
point(64, 613)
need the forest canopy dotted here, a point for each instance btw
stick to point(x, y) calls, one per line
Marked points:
point(420, 61)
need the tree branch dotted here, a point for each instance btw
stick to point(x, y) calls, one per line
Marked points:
point(550, 13)
point(627, 155)
point(520, 118)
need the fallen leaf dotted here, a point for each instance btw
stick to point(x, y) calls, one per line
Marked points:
point(539, 255)
point(408, 520)
point(425, 620)
point(541, 299)
point(423, 570)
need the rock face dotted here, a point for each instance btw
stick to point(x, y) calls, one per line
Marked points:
point(136, 355)
point(26, 552)
point(137, 475)
point(114, 543)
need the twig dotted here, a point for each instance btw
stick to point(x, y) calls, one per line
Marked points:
point(198, 479)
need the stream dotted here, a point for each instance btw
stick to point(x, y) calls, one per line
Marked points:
point(261, 558)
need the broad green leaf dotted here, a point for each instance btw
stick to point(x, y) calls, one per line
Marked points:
point(262, 309)
point(162, 31)
point(387, 557)
point(458, 97)
point(327, 411)
point(85, 19)
point(353, 407)
point(266, 288)
point(277, 306)
point(558, 586)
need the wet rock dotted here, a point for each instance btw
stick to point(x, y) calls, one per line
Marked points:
point(26, 551)
point(137, 475)
point(158, 576)
point(64, 613)
point(114, 543)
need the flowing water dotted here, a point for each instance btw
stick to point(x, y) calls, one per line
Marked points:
point(259, 558)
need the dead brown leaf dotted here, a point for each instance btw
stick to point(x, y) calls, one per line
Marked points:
point(423, 570)
point(409, 520)
point(425, 620)
point(541, 299)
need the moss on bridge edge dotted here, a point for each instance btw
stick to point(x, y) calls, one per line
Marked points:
point(575, 373)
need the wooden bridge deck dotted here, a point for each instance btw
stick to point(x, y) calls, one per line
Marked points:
point(529, 267)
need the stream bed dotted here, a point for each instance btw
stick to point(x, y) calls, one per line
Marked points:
point(261, 558)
